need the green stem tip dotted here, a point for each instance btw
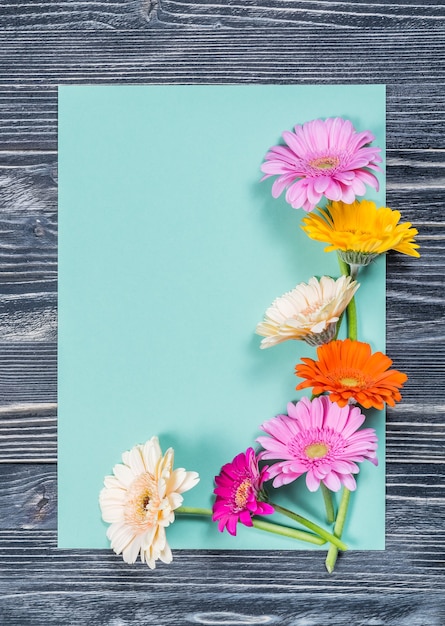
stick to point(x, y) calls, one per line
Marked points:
point(331, 558)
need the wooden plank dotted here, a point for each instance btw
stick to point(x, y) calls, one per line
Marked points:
point(28, 497)
point(286, 13)
point(28, 188)
point(28, 251)
point(28, 373)
point(28, 431)
point(261, 583)
point(120, 598)
point(32, 64)
point(122, 15)
point(75, 15)
point(289, 589)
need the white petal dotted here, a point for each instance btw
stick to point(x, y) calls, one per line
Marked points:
point(151, 454)
point(123, 474)
point(175, 500)
point(120, 536)
point(181, 480)
point(130, 553)
point(135, 461)
point(166, 554)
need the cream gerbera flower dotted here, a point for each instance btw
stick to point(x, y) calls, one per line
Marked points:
point(309, 312)
point(139, 500)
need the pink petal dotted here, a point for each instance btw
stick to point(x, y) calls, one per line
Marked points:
point(294, 142)
point(332, 481)
point(368, 178)
point(296, 195)
point(231, 525)
point(348, 195)
point(345, 177)
point(337, 417)
point(281, 183)
point(317, 132)
point(312, 195)
point(361, 139)
point(321, 183)
point(358, 187)
point(349, 482)
point(344, 134)
point(334, 191)
point(312, 482)
point(245, 518)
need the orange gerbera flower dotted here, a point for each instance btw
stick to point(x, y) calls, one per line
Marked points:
point(348, 370)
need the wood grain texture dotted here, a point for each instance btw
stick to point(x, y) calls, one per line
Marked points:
point(287, 13)
point(397, 587)
point(140, 14)
point(75, 15)
point(28, 431)
point(286, 589)
point(411, 64)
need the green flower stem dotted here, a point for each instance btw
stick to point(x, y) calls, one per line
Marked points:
point(344, 267)
point(351, 309)
point(331, 558)
point(314, 527)
point(327, 497)
point(352, 320)
point(278, 529)
point(191, 510)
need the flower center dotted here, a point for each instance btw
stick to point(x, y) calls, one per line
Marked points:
point(316, 450)
point(242, 494)
point(325, 162)
point(349, 382)
point(143, 502)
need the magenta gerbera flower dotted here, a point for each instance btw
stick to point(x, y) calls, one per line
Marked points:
point(323, 158)
point(239, 492)
point(321, 439)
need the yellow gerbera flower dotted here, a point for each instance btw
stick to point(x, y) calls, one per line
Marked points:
point(360, 231)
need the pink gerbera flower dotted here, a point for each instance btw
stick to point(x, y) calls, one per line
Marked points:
point(321, 439)
point(323, 158)
point(239, 492)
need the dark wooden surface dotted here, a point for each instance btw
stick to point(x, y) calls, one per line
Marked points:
point(43, 44)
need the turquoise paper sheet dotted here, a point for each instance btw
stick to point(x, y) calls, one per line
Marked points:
point(170, 252)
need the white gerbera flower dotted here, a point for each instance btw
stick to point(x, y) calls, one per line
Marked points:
point(309, 312)
point(139, 500)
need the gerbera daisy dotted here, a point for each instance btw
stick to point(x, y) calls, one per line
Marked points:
point(360, 231)
point(323, 158)
point(349, 371)
point(309, 312)
point(239, 492)
point(319, 439)
point(139, 499)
